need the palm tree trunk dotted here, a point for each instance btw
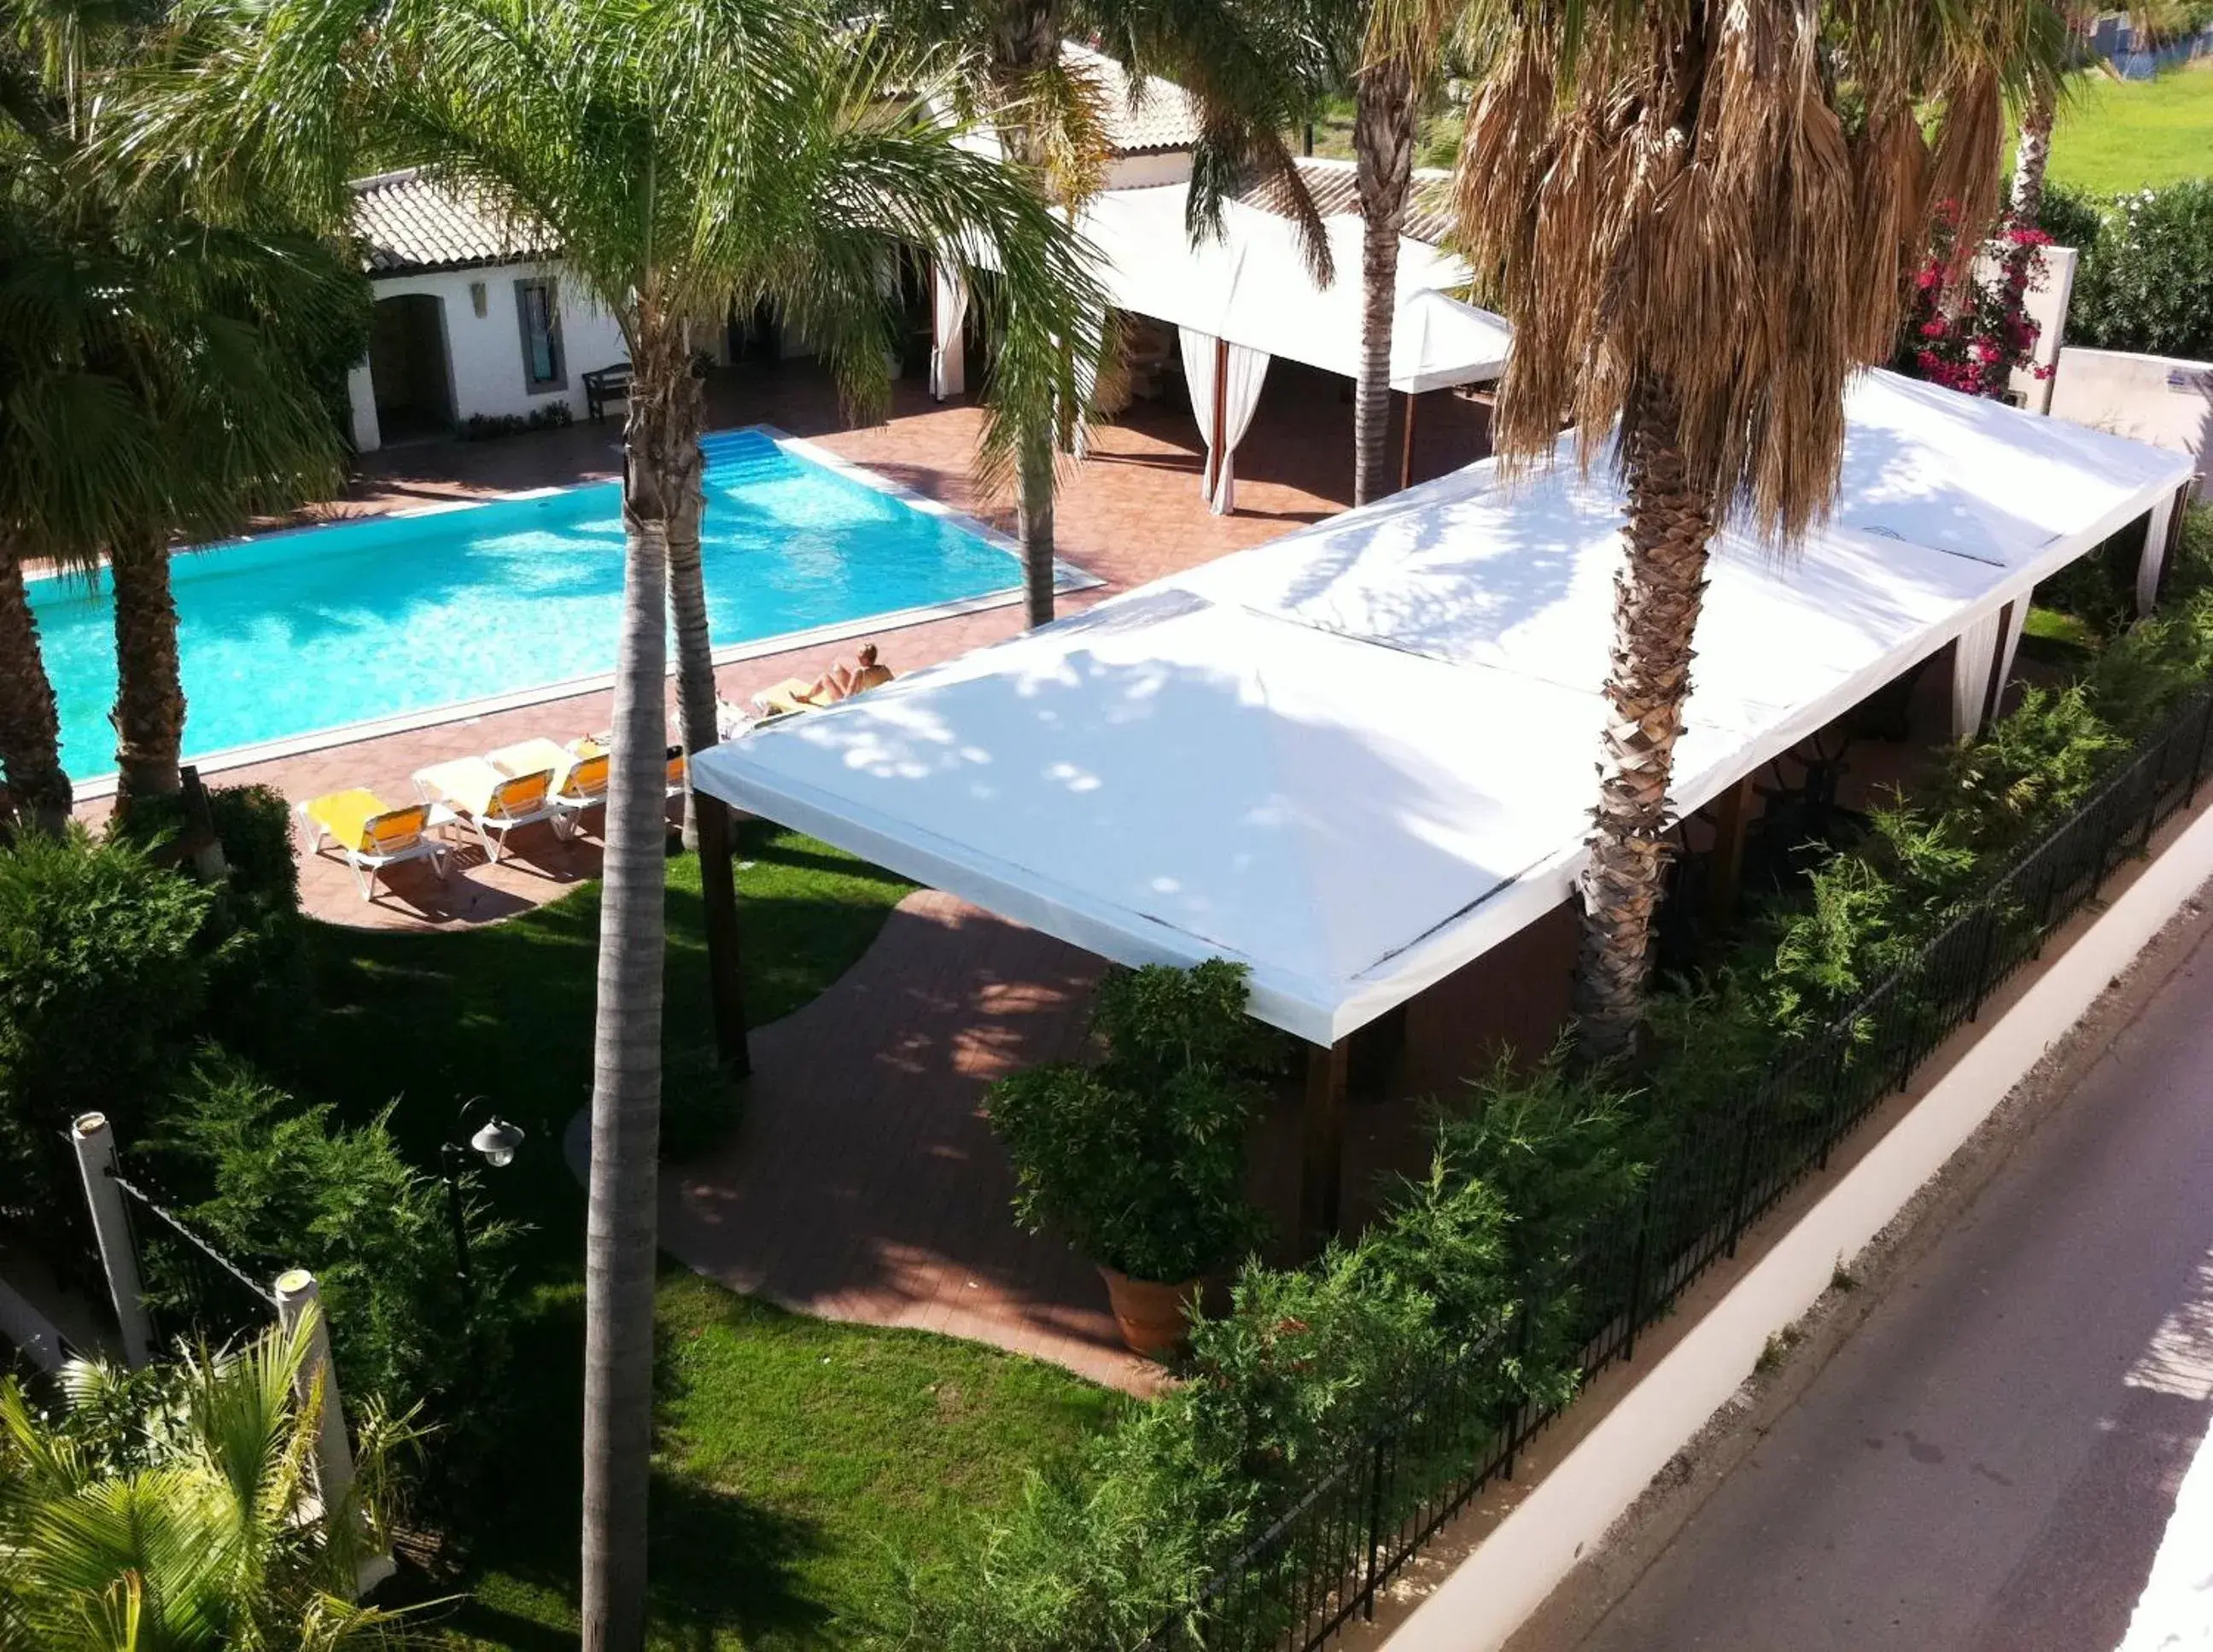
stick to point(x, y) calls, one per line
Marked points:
point(1383, 146)
point(1025, 42)
point(687, 597)
point(2030, 158)
point(620, 1230)
point(31, 775)
point(150, 699)
point(1033, 528)
point(1657, 596)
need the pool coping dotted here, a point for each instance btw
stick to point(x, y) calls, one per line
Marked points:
point(1067, 576)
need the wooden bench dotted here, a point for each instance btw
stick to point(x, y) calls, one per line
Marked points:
point(607, 384)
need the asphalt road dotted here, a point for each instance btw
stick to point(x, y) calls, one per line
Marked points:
point(1991, 1461)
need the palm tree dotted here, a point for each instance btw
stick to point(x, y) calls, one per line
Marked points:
point(1252, 73)
point(1700, 219)
point(156, 363)
point(176, 1507)
point(687, 153)
point(1385, 103)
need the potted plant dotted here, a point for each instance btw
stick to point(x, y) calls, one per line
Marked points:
point(1139, 1158)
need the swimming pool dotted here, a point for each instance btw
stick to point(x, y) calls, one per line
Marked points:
point(298, 633)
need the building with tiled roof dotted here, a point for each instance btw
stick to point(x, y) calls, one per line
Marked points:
point(409, 223)
point(1160, 117)
point(475, 324)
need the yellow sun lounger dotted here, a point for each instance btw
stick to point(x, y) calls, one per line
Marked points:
point(491, 800)
point(371, 834)
point(578, 782)
point(593, 749)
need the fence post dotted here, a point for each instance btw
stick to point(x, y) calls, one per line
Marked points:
point(1374, 1527)
point(2197, 763)
point(1743, 1181)
point(111, 1224)
point(1637, 1258)
point(296, 1294)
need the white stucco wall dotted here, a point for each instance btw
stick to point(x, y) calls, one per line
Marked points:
point(2157, 399)
point(1151, 168)
point(484, 353)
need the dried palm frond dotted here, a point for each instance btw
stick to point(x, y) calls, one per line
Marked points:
point(1721, 201)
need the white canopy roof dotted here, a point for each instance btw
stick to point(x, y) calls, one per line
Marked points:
point(1251, 287)
point(1361, 756)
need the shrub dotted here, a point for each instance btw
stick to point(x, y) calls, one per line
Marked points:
point(259, 970)
point(1140, 1160)
point(254, 826)
point(1306, 1363)
point(102, 976)
point(1971, 335)
point(552, 416)
point(2072, 217)
point(279, 1185)
point(2146, 279)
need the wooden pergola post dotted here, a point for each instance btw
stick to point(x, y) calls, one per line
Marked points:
point(718, 894)
point(1407, 444)
point(1216, 458)
point(1732, 816)
point(1322, 1152)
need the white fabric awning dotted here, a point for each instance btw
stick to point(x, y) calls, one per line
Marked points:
point(1251, 287)
point(1362, 756)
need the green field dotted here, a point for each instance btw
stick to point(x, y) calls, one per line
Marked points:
point(2113, 135)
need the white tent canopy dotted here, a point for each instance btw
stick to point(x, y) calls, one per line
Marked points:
point(1360, 757)
point(1251, 287)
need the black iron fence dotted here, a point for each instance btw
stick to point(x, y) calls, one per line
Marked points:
point(193, 1292)
point(1324, 1560)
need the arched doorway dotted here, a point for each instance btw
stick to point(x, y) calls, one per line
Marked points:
point(409, 367)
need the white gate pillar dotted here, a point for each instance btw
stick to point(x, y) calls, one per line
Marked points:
point(110, 1225)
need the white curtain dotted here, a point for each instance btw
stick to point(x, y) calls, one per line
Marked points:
point(1972, 655)
point(1982, 645)
point(949, 351)
point(1246, 370)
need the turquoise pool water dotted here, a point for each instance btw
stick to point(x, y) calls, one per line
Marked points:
point(299, 633)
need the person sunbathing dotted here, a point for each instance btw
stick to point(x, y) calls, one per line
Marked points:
point(840, 682)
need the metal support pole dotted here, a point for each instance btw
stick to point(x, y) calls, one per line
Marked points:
point(1322, 1144)
point(451, 1161)
point(718, 890)
point(111, 1224)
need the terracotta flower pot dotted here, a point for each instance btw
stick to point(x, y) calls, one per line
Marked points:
point(1153, 1317)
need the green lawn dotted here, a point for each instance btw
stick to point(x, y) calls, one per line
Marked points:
point(802, 1463)
point(2113, 135)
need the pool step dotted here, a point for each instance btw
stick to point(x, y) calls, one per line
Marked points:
point(732, 455)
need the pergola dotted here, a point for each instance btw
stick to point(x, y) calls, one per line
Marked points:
point(1359, 758)
point(1243, 299)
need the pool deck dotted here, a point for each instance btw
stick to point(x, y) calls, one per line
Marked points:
point(1131, 513)
point(863, 1184)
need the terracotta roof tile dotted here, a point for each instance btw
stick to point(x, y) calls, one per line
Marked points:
point(1336, 190)
point(411, 223)
point(1163, 118)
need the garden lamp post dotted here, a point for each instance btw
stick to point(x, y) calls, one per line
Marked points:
point(494, 1141)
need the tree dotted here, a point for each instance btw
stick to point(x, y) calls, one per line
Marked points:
point(1253, 73)
point(177, 1508)
point(1383, 129)
point(158, 362)
point(1700, 219)
point(687, 154)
